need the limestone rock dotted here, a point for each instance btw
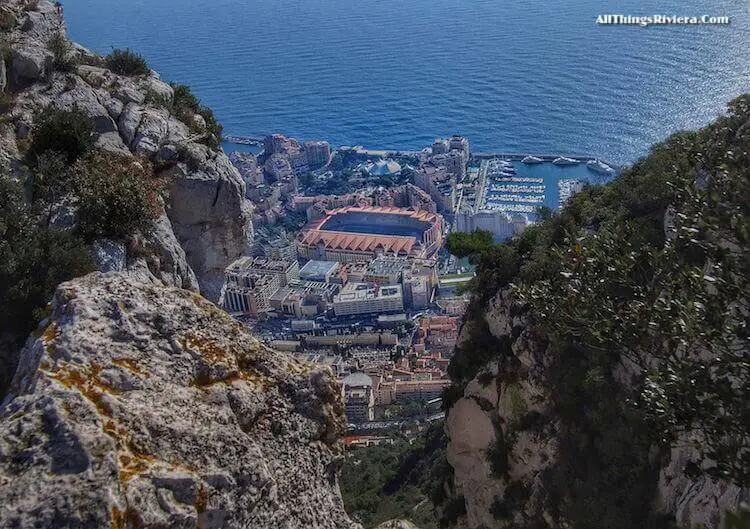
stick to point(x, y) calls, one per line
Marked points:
point(41, 22)
point(129, 121)
point(697, 502)
point(30, 62)
point(158, 87)
point(109, 255)
point(152, 130)
point(143, 406)
point(3, 76)
point(397, 524)
point(168, 258)
point(209, 215)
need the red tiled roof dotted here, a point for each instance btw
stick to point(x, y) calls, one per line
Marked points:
point(363, 242)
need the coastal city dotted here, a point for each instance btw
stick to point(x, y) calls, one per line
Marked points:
point(347, 266)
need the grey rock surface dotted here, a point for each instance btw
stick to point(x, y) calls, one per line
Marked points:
point(29, 62)
point(397, 524)
point(109, 255)
point(208, 212)
point(138, 405)
point(3, 76)
point(168, 260)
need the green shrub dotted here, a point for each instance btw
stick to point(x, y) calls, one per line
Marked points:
point(158, 99)
point(185, 106)
point(51, 178)
point(117, 195)
point(468, 244)
point(64, 58)
point(126, 62)
point(33, 261)
point(67, 132)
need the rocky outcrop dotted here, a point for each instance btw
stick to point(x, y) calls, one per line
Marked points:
point(397, 524)
point(206, 212)
point(166, 258)
point(209, 213)
point(138, 405)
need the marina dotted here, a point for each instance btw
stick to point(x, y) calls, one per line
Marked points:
point(520, 183)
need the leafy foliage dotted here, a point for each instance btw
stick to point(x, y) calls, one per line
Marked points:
point(33, 261)
point(117, 195)
point(126, 62)
point(639, 291)
point(469, 244)
point(402, 480)
point(69, 133)
point(186, 106)
point(64, 60)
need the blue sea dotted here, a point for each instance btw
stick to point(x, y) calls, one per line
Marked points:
point(534, 76)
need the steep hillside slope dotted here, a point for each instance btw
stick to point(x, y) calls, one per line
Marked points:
point(100, 152)
point(602, 378)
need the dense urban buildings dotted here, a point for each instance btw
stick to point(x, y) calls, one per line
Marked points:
point(368, 298)
point(356, 279)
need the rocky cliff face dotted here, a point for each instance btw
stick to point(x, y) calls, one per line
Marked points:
point(139, 405)
point(488, 415)
point(206, 212)
point(601, 377)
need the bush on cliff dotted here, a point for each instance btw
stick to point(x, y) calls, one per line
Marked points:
point(117, 195)
point(64, 60)
point(69, 133)
point(126, 62)
point(33, 261)
point(186, 105)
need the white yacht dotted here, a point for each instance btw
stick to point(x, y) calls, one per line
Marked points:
point(530, 160)
point(565, 161)
point(599, 167)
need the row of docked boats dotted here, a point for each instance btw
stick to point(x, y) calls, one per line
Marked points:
point(594, 165)
point(561, 160)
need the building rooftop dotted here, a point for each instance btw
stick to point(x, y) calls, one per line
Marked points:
point(243, 264)
point(317, 269)
point(385, 265)
point(359, 380)
point(365, 291)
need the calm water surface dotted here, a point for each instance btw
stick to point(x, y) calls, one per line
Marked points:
point(531, 76)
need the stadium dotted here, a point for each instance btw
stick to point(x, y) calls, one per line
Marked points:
point(356, 233)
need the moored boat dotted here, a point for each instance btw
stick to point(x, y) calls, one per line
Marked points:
point(599, 167)
point(562, 160)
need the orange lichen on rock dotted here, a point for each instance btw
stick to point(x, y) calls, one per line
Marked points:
point(209, 350)
point(201, 503)
point(131, 465)
point(130, 365)
point(86, 380)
